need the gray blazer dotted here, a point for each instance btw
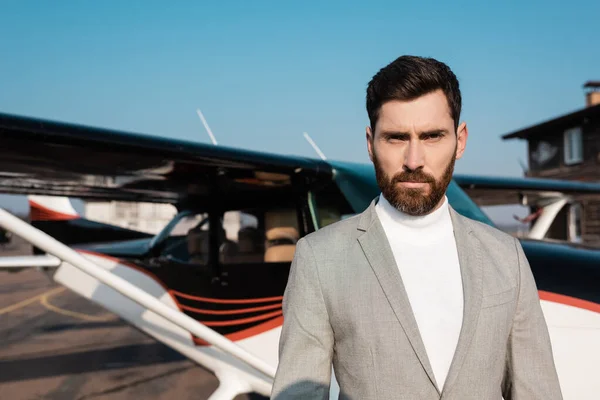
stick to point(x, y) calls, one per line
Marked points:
point(345, 305)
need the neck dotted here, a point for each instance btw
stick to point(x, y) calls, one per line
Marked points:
point(416, 230)
point(421, 221)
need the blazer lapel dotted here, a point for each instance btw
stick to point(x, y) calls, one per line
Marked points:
point(469, 254)
point(378, 252)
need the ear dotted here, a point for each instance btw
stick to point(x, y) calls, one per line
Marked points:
point(369, 136)
point(462, 133)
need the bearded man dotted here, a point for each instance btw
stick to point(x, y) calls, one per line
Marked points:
point(409, 299)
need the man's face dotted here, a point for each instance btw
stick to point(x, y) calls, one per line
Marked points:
point(413, 148)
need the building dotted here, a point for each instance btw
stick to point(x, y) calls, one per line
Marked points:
point(568, 147)
point(144, 217)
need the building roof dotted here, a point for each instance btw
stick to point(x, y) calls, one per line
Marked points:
point(562, 122)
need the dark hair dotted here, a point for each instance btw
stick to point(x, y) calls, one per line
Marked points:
point(409, 77)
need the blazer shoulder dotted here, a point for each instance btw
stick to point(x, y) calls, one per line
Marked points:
point(489, 234)
point(500, 252)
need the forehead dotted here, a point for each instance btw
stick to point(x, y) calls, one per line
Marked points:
point(430, 111)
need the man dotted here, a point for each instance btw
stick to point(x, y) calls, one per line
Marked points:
point(410, 300)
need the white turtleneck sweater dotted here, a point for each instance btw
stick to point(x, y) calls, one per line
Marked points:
point(425, 252)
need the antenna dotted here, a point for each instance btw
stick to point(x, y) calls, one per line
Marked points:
point(212, 137)
point(314, 145)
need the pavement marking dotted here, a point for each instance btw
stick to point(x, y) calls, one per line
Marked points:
point(86, 317)
point(29, 301)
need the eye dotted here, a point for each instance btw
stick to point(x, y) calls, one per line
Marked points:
point(433, 136)
point(396, 138)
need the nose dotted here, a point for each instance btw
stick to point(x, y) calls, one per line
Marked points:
point(414, 157)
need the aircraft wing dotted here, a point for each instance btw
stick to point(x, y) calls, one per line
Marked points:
point(54, 158)
point(489, 191)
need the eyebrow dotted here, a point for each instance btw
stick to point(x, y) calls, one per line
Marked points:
point(421, 135)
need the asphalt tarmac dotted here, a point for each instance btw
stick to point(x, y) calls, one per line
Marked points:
point(56, 345)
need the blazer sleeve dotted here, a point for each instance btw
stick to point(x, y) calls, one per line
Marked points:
point(306, 343)
point(530, 372)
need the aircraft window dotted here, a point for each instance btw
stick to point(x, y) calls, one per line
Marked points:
point(259, 236)
point(331, 206)
point(188, 240)
point(328, 216)
point(188, 223)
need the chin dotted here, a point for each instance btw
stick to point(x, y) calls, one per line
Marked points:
point(417, 192)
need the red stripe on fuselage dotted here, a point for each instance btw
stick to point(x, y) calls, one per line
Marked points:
point(231, 312)
point(227, 301)
point(38, 212)
point(243, 334)
point(570, 301)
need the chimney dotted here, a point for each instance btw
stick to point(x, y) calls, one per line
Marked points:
point(592, 96)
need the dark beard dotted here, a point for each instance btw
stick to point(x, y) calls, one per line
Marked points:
point(413, 201)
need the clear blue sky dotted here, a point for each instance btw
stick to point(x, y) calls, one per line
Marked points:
point(264, 72)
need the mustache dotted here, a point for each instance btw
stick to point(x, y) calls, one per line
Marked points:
point(413, 177)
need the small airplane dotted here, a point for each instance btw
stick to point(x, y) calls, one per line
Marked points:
point(210, 284)
point(555, 205)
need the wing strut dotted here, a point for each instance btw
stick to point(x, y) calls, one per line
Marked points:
point(147, 301)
